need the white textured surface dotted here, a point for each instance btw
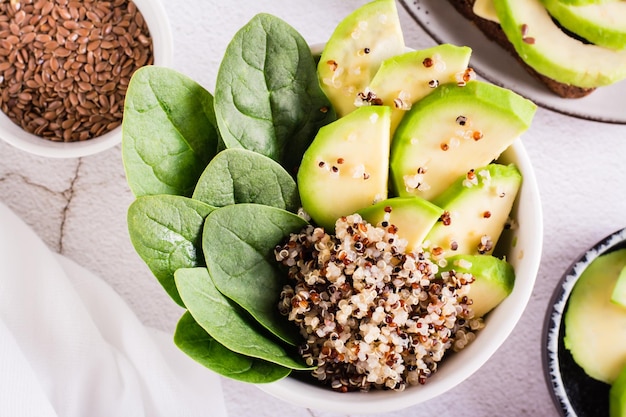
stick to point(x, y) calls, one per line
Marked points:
point(78, 206)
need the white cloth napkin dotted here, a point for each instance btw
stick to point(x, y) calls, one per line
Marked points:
point(71, 347)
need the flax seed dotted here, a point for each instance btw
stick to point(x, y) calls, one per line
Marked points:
point(63, 13)
point(47, 8)
point(19, 17)
point(63, 31)
point(15, 29)
point(108, 87)
point(62, 52)
point(29, 37)
point(93, 45)
point(93, 16)
point(73, 99)
point(13, 40)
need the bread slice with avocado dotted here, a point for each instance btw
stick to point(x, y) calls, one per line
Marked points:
point(568, 65)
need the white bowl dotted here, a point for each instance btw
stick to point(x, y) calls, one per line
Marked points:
point(156, 18)
point(523, 249)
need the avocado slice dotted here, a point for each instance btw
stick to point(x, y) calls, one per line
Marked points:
point(355, 50)
point(617, 395)
point(407, 78)
point(585, 2)
point(476, 209)
point(413, 216)
point(494, 279)
point(453, 130)
point(346, 167)
point(601, 24)
point(595, 328)
point(549, 51)
point(485, 9)
point(618, 296)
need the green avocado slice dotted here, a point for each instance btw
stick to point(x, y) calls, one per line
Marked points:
point(546, 48)
point(585, 2)
point(494, 279)
point(602, 24)
point(355, 50)
point(595, 328)
point(346, 167)
point(413, 216)
point(403, 80)
point(618, 296)
point(617, 395)
point(452, 130)
point(476, 207)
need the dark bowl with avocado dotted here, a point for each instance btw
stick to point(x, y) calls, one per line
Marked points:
point(567, 370)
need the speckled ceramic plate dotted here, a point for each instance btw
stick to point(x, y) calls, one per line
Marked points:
point(445, 25)
point(574, 393)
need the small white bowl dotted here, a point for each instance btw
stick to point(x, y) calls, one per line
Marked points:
point(523, 247)
point(156, 18)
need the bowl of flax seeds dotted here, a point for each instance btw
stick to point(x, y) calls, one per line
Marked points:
point(65, 66)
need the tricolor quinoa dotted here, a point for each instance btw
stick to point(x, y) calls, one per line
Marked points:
point(372, 314)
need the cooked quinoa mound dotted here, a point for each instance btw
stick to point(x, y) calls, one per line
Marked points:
point(372, 315)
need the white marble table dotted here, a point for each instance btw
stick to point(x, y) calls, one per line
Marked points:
point(78, 206)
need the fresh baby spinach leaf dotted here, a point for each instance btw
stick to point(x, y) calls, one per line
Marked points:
point(166, 231)
point(267, 94)
point(192, 339)
point(242, 176)
point(226, 322)
point(238, 243)
point(169, 132)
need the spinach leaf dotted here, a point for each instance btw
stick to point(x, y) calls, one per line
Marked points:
point(169, 132)
point(166, 232)
point(238, 243)
point(242, 176)
point(267, 95)
point(224, 321)
point(192, 339)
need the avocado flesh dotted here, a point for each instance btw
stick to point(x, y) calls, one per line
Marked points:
point(595, 328)
point(404, 79)
point(486, 10)
point(618, 296)
point(477, 213)
point(413, 216)
point(617, 396)
point(601, 24)
point(549, 51)
point(586, 2)
point(355, 50)
point(346, 166)
point(421, 164)
point(494, 279)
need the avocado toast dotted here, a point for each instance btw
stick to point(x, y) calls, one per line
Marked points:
point(568, 48)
